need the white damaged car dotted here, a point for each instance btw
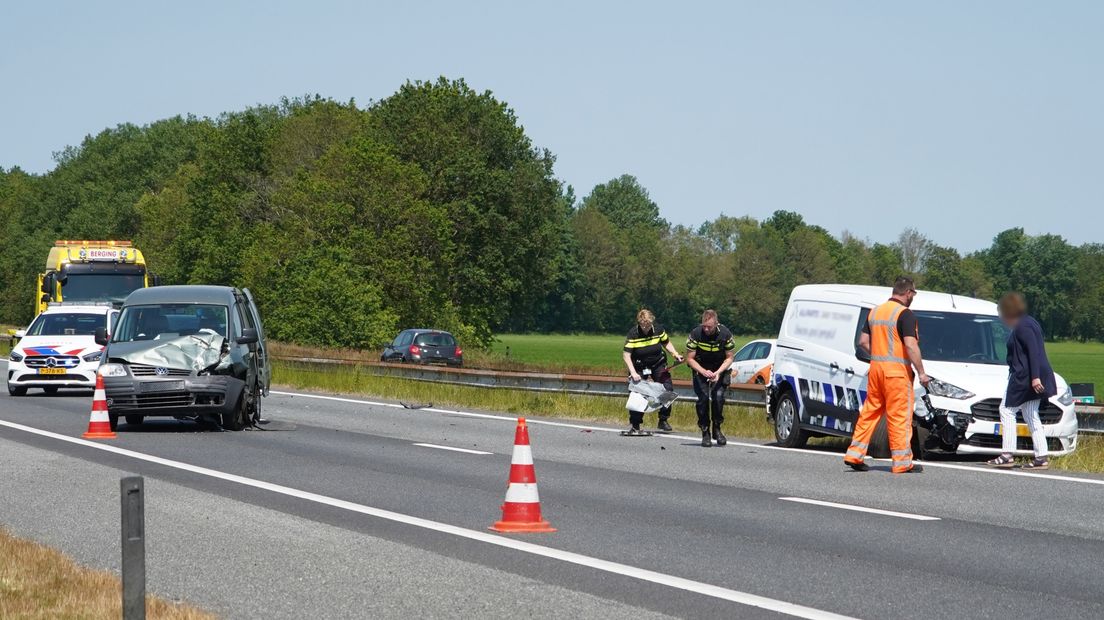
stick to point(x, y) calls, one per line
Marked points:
point(59, 350)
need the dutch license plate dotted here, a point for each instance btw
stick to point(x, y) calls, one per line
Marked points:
point(51, 371)
point(1021, 430)
point(161, 386)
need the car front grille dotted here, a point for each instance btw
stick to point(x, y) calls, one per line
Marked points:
point(1022, 443)
point(59, 361)
point(989, 409)
point(142, 370)
point(152, 400)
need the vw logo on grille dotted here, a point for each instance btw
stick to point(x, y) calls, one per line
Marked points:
point(51, 362)
point(161, 372)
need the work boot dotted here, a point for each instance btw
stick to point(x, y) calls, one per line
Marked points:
point(862, 466)
point(915, 469)
point(664, 425)
point(718, 436)
point(707, 441)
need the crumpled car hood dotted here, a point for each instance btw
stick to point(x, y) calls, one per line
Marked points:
point(193, 352)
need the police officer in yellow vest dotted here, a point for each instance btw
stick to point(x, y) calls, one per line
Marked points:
point(646, 348)
point(892, 338)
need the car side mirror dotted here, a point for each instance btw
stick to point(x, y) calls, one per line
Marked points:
point(248, 336)
point(19, 333)
point(101, 336)
point(155, 280)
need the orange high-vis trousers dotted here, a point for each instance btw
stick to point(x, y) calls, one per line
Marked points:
point(889, 394)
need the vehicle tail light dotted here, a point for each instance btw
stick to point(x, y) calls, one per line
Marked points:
point(459, 351)
point(415, 349)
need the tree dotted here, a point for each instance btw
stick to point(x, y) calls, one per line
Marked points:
point(625, 203)
point(914, 249)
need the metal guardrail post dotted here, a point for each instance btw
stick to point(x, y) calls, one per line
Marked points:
point(132, 497)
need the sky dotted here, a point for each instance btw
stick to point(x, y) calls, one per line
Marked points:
point(957, 118)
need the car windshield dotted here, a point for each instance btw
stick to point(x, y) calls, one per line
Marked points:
point(101, 286)
point(66, 324)
point(167, 321)
point(960, 337)
point(434, 340)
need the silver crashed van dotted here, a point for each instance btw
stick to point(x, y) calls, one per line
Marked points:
point(190, 352)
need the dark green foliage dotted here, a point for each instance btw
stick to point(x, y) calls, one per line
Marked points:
point(432, 208)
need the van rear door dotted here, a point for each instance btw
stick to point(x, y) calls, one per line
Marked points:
point(263, 365)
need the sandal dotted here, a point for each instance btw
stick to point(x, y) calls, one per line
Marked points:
point(1003, 461)
point(1038, 464)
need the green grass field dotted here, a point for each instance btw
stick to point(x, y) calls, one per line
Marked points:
point(584, 353)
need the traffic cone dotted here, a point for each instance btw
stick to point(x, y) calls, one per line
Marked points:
point(99, 427)
point(521, 511)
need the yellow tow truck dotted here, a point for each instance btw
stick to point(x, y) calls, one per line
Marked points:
point(92, 271)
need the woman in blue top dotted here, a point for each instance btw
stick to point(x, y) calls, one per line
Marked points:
point(1030, 380)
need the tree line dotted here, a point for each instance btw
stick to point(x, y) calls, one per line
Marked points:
point(432, 207)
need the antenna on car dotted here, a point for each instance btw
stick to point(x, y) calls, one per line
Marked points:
point(953, 305)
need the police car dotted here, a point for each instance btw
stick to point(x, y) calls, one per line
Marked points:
point(819, 374)
point(59, 350)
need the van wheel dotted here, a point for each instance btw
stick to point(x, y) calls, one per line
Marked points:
point(113, 420)
point(787, 423)
point(17, 391)
point(879, 442)
point(235, 420)
point(134, 420)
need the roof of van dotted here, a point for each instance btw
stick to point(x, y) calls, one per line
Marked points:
point(182, 294)
point(874, 295)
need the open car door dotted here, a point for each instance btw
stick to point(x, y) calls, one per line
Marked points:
point(263, 364)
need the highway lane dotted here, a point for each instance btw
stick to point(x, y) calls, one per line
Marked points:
point(1003, 545)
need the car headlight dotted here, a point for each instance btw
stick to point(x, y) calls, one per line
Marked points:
point(946, 390)
point(1066, 398)
point(113, 370)
point(92, 357)
point(15, 357)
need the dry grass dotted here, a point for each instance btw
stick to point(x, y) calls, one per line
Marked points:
point(37, 582)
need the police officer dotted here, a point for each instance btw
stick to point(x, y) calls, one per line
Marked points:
point(646, 348)
point(709, 352)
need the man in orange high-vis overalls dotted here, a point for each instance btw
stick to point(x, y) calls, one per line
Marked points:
point(892, 339)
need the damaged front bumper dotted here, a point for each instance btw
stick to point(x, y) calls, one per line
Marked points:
point(185, 396)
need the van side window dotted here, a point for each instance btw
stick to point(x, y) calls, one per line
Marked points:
point(246, 316)
point(864, 313)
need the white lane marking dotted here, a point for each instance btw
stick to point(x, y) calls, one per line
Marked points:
point(625, 570)
point(877, 511)
point(464, 450)
point(758, 446)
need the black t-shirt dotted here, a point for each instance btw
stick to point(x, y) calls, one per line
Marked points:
point(710, 350)
point(646, 349)
point(906, 325)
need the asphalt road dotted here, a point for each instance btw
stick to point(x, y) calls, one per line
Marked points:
point(337, 513)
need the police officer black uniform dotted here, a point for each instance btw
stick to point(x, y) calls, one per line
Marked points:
point(709, 352)
point(646, 347)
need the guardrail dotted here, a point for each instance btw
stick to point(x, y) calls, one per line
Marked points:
point(590, 385)
point(1090, 418)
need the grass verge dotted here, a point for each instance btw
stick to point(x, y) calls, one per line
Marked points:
point(37, 582)
point(741, 421)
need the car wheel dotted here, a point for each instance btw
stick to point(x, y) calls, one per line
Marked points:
point(50, 390)
point(134, 420)
point(787, 423)
point(113, 420)
point(879, 442)
point(17, 391)
point(234, 420)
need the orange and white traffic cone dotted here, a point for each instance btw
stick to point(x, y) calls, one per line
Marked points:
point(521, 511)
point(99, 426)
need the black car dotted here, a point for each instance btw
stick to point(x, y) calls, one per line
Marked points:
point(424, 346)
point(190, 352)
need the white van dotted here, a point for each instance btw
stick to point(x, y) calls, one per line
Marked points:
point(819, 378)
